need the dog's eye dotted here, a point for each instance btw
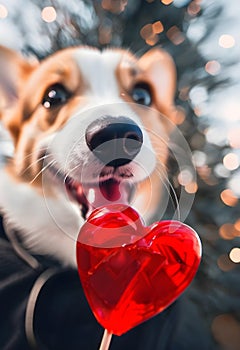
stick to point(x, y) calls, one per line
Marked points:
point(141, 93)
point(55, 96)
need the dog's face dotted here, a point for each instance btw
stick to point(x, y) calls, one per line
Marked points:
point(89, 123)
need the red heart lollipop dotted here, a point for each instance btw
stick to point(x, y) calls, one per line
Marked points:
point(130, 272)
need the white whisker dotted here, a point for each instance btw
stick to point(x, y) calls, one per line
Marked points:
point(36, 152)
point(34, 163)
point(42, 170)
point(70, 171)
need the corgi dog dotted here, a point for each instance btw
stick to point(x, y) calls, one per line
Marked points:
point(88, 129)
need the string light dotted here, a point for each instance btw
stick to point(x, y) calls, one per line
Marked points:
point(228, 198)
point(198, 95)
point(49, 14)
point(204, 173)
point(234, 255)
point(157, 27)
point(152, 40)
point(213, 67)
point(166, 2)
point(193, 8)
point(3, 11)
point(226, 231)
point(226, 331)
point(231, 161)
point(226, 41)
point(221, 171)
point(224, 263)
point(199, 158)
point(229, 231)
point(148, 32)
point(178, 115)
point(185, 177)
point(237, 226)
point(114, 6)
point(175, 35)
point(191, 187)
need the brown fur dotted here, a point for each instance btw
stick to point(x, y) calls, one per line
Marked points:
point(24, 115)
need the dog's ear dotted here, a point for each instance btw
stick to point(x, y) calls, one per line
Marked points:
point(14, 71)
point(159, 71)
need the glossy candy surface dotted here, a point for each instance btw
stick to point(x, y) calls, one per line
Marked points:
point(130, 272)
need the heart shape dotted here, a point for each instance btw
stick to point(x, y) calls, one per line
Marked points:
point(130, 272)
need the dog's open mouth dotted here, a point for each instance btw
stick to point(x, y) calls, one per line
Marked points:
point(108, 189)
point(91, 196)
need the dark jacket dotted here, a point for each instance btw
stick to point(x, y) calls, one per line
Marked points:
point(58, 316)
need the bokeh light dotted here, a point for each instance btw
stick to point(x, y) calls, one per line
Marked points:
point(226, 41)
point(237, 227)
point(226, 331)
point(194, 8)
point(231, 161)
point(151, 41)
point(199, 158)
point(198, 94)
point(196, 31)
point(149, 32)
point(185, 177)
point(114, 6)
point(3, 11)
point(229, 198)
point(157, 27)
point(175, 35)
point(221, 171)
point(226, 231)
point(146, 31)
point(224, 263)
point(166, 2)
point(230, 231)
point(49, 14)
point(213, 67)
point(179, 116)
point(234, 255)
point(191, 187)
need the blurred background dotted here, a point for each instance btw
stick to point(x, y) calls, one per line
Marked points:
point(203, 36)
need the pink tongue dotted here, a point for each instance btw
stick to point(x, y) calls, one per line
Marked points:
point(108, 192)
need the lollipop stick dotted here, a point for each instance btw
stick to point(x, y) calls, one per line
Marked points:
point(106, 339)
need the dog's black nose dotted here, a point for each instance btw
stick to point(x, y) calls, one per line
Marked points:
point(114, 141)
